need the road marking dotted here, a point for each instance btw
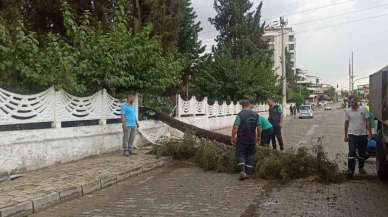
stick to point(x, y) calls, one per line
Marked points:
point(311, 130)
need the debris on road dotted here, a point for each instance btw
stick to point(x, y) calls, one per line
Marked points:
point(270, 164)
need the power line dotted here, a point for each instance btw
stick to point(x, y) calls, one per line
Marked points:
point(343, 23)
point(311, 9)
point(342, 14)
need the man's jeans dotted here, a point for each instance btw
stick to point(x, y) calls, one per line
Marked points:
point(128, 138)
point(357, 150)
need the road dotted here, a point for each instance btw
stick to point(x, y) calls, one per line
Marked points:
point(184, 190)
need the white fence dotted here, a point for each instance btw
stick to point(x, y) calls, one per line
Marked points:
point(56, 107)
point(193, 107)
point(211, 117)
point(22, 150)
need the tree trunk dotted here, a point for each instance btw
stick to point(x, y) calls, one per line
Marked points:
point(172, 122)
point(136, 16)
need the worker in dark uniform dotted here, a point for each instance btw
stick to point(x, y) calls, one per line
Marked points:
point(276, 119)
point(245, 134)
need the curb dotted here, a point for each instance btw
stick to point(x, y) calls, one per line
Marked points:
point(35, 205)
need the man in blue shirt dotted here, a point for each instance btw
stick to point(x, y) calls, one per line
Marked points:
point(130, 123)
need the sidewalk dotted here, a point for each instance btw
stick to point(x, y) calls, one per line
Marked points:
point(39, 189)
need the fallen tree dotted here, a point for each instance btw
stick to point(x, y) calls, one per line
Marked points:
point(184, 127)
point(213, 151)
point(291, 164)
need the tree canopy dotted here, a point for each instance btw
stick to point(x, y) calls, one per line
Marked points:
point(87, 58)
point(241, 63)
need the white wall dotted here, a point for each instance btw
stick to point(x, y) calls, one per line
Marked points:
point(34, 149)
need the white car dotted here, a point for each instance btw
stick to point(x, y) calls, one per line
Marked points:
point(306, 111)
point(327, 108)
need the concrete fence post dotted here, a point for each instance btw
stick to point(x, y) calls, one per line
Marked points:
point(206, 107)
point(178, 106)
point(102, 120)
point(56, 121)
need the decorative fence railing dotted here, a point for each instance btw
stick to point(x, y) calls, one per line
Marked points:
point(57, 107)
point(194, 107)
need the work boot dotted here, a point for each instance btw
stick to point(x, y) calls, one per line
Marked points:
point(243, 175)
point(362, 171)
point(125, 153)
point(249, 171)
point(349, 174)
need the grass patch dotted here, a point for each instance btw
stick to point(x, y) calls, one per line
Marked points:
point(270, 164)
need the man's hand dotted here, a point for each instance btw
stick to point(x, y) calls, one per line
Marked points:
point(125, 127)
point(137, 124)
point(369, 135)
point(346, 139)
point(233, 140)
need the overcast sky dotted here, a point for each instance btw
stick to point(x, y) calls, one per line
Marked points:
point(321, 50)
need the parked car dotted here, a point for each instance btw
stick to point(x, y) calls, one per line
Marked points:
point(328, 108)
point(306, 111)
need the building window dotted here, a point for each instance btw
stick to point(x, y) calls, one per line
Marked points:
point(291, 38)
point(291, 47)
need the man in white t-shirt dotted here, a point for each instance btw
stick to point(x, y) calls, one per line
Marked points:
point(357, 130)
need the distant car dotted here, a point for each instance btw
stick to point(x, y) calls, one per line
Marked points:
point(306, 111)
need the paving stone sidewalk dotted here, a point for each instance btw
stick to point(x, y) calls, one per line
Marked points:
point(37, 190)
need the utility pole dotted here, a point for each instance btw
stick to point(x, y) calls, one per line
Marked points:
point(352, 79)
point(284, 78)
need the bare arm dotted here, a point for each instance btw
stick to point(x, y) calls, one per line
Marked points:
point(346, 130)
point(258, 133)
point(125, 126)
point(234, 134)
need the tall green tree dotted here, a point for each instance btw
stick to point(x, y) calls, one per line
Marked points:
point(241, 64)
point(188, 43)
point(87, 58)
point(240, 27)
point(290, 72)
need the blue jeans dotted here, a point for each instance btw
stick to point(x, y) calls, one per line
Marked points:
point(357, 151)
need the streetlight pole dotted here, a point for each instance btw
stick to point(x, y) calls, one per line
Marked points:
point(352, 78)
point(284, 78)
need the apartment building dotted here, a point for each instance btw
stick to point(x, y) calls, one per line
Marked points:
point(274, 37)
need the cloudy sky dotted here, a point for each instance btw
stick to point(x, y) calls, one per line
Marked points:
point(327, 32)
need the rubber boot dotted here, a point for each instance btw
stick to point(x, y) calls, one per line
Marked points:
point(243, 174)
